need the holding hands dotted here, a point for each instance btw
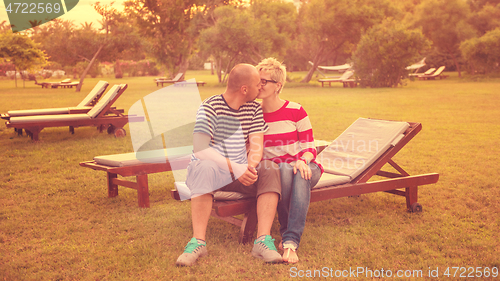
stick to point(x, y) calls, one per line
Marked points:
point(247, 175)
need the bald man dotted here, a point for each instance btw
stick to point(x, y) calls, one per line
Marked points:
point(228, 145)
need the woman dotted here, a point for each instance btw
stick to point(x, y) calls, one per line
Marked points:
point(289, 142)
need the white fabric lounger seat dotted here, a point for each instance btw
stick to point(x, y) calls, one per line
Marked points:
point(49, 118)
point(45, 111)
point(141, 157)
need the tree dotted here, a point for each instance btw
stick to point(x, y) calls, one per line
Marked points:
point(56, 38)
point(166, 24)
point(328, 26)
point(242, 34)
point(384, 52)
point(21, 51)
point(483, 53)
point(275, 29)
point(117, 37)
point(444, 22)
point(229, 38)
point(485, 19)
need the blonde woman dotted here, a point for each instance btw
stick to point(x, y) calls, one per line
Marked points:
point(289, 142)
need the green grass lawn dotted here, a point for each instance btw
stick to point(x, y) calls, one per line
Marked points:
point(56, 222)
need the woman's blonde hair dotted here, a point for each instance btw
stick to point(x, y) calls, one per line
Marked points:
point(276, 70)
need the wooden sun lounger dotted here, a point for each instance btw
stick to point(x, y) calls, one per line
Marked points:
point(427, 72)
point(101, 116)
point(400, 183)
point(83, 107)
point(433, 76)
point(66, 83)
point(344, 79)
point(177, 78)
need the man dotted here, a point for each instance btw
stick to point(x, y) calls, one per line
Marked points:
point(228, 145)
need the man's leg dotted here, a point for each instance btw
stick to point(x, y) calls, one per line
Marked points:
point(201, 206)
point(268, 194)
point(203, 177)
point(266, 210)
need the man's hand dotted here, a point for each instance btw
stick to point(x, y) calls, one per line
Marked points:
point(245, 174)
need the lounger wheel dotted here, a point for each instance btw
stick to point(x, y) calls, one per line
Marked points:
point(111, 129)
point(416, 208)
point(120, 132)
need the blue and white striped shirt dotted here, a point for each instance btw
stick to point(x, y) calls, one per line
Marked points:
point(229, 129)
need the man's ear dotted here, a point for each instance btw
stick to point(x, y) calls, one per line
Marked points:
point(244, 89)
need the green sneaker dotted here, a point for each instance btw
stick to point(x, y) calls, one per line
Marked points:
point(266, 250)
point(192, 252)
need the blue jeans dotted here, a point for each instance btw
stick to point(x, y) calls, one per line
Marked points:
point(294, 203)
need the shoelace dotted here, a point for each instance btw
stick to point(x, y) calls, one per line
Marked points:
point(191, 247)
point(269, 243)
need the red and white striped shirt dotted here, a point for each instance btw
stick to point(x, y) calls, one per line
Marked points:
point(289, 135)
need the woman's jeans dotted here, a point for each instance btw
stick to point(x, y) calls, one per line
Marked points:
point(294, 203)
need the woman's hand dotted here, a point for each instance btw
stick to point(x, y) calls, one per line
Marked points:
point(304, 169)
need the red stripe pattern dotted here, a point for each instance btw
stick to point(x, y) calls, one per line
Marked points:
point(290, 134)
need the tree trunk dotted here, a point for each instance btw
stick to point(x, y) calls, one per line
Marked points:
point(456, 64)
point(79, 87)
point(316, 62)
point(183, 67)
point(218, 69)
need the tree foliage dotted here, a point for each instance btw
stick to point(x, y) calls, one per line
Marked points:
point(241, 34)
point(166, 24)
point(444, 22)
point(327, 26)
point(233, 31)
point(229, 38)
point(485, 19)
point(483, 53)
point(385, 50)
point(21, 51)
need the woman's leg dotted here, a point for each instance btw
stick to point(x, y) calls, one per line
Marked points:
point(286, 171)
point(294, 204)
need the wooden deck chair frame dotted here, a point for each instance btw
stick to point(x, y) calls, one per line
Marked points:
point(178, 78)
point(400, 183)
point(434, 75)
point(106, 117)
point(66, 83)
point(345, 79)
point(83, 107)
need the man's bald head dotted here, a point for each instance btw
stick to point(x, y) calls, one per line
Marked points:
point(241, 74)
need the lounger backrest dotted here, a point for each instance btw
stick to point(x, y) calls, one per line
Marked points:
point(429, 71)
point(104, 101)
point(439, 70)
point(99, 88)
point(360, 145)
point(178, 76)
